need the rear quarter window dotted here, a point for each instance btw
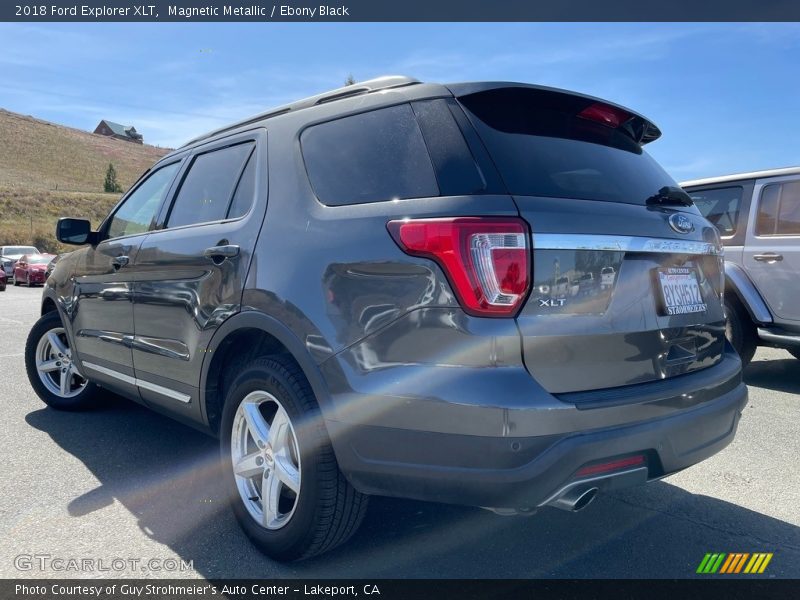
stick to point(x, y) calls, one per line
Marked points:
point(369, 157)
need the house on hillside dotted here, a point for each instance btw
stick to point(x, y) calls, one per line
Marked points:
point(121, 132)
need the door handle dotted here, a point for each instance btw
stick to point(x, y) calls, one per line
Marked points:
point(119, 261)
point(220, 253)
point(768, 257)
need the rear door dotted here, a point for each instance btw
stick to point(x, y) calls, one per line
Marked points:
point(102, 309)
point(191, 271)
point(772, 250)
point(626, 277)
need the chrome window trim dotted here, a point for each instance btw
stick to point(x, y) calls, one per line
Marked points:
point(158, 389)
point(622, 243)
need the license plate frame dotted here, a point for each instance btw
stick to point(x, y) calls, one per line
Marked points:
point(680, 292)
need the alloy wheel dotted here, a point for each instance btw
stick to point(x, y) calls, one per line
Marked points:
point(266, 459)
point(55, 367)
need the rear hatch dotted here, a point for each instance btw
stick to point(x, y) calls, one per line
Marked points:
point(626, 275)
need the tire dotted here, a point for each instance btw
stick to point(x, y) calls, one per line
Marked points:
point(28, 280)
point(740, 330)
point(326, 510)
point(45, 363)
point(16, 281)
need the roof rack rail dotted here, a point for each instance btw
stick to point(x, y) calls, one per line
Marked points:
point(356, 89)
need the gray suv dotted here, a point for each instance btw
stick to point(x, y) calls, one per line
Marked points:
point(482, 293)
point(758, 216)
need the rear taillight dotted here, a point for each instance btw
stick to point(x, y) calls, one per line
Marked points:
point(486, 259)
point(605, 114)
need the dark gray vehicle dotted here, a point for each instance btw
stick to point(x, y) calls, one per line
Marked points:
point(361, 293)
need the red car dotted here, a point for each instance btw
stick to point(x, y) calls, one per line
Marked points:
point(3, 280)
point(30, 269)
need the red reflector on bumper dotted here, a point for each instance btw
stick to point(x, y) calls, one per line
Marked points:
point(611, 466)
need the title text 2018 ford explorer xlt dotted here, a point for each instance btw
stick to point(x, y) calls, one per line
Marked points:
point(358, 293)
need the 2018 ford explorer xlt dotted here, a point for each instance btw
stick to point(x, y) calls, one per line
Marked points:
point(362, 293)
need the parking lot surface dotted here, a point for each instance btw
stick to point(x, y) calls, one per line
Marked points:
point(122, 482)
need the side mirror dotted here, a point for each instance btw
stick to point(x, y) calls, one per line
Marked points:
point(74, 231)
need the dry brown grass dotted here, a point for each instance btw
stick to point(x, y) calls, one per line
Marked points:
point(48, 171)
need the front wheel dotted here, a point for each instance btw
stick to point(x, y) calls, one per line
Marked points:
point(285, 486)
point(51, 372)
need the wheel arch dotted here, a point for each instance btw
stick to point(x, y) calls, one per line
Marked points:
point(262, 334)
point(737, 282)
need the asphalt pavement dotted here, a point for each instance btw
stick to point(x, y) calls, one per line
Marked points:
point(122, 486)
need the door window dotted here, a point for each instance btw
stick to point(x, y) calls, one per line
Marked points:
point(137, 213)
point(779, 209)
point(207, 190)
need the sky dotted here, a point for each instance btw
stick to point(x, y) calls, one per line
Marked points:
point(725, 96)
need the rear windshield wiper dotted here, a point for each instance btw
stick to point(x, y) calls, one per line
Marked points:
point(670, 195)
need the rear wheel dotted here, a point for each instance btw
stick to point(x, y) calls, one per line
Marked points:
point(51, 372)
point(285, 486)
point(740, 330)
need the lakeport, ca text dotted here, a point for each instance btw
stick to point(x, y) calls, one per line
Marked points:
point(149, 11)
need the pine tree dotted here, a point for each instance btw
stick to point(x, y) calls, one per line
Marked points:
point(350, 80)
point(111, 184)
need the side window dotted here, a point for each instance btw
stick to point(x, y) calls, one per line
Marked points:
point(720, 206)
point(369, 157)
point(206, 191)
point(789, 214)
point(245, 190)
point(779, 209)
point(136, 214)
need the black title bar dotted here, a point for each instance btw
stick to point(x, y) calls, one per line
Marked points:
point(399, 10)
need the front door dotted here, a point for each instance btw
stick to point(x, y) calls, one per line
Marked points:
point(102, 310)
point(772, 251)
point(191, 272)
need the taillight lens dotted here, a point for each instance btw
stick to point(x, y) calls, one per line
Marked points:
point(486, 259)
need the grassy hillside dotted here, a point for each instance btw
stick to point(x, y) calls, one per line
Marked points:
point(48, 171)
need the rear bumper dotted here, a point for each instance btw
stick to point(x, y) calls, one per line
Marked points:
point(523, 465)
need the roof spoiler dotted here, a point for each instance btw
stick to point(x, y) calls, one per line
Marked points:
point(638, 127)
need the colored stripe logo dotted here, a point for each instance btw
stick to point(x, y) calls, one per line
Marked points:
point(735, 562)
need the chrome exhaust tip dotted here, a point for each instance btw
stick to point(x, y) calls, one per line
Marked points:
point(575, 499)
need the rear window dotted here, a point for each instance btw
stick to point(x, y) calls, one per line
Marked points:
point(541, 148)
point(369, 157)
point(720, 206)
point(39, 260)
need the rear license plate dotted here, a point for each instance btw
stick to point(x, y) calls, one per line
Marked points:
point(680, 291)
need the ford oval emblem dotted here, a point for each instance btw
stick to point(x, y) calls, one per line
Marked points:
point(681, 223)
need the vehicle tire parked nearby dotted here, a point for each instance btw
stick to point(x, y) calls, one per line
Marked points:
point(739, 330)
point(272, 428)
point(48, 361)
